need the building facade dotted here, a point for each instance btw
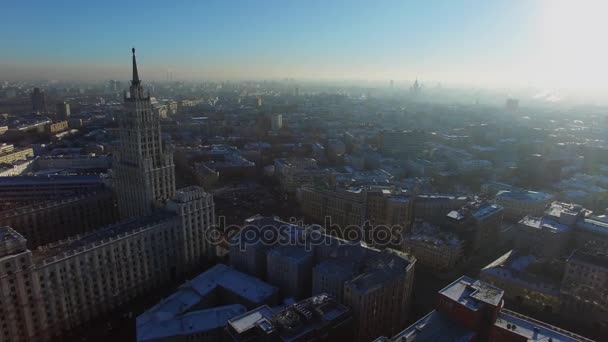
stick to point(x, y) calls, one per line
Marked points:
point(518, 204)
point(9, 154)
point(434, 249)
point(48, 221)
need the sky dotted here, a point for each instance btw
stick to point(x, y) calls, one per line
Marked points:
point(542, 43)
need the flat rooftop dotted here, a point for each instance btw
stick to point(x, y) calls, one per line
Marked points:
point(533, 330)
point(472, 293)
point(525, 195)
point(190, 294)
point(556, 209)
point(544, 223)
point(379, 268)
point(194, 322)
point(434, 327)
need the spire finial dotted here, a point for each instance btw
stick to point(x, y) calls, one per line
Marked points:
point(135, 80)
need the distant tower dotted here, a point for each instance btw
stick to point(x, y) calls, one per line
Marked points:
point(62, 111)
point(277, 122)
point(392, 84)
point(512, 104)
point(38, 101)
point(416, 88)
point(112, 86)
point(296, 92)
point(144, 170)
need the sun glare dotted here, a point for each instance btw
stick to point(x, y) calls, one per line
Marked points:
point(573, 46)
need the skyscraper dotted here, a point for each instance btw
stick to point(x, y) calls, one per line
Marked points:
point(38, 101)
point(144, 167)
point(62, 111)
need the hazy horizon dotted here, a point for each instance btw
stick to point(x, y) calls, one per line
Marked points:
point(555, 45)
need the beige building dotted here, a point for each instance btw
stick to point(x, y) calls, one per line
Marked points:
point(295, 172)
point(345, 207)
point(380, 299)
point(434, 249)
point(58, 127)
point(9, 154)
point(354, 206)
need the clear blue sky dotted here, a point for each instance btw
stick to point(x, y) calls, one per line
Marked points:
point(450, 39)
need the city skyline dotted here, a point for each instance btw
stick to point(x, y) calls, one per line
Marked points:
point(493, 43)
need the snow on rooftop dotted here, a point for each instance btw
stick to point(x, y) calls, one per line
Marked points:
point(193, 292)
point(190, 323)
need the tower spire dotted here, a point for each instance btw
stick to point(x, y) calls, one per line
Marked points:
point(136, 90)
point(135, 80)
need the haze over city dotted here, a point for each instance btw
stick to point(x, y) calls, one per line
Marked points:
point(553, 45)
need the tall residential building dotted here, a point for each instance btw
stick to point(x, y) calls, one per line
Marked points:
point(62, 111)
point(66, 284)
point(143, 167)
point(276, 122)
point(290, 269)
point(38, 101)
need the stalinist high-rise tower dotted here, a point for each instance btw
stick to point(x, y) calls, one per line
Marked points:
point(144, 170)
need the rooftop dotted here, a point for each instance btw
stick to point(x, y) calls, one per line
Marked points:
point(380, 267)
point(527, 270)
point(429, 233)
point(434, 327)
point(533, 330)
point(472, 293)
point(594, 224)
point(525, 195)
point(191, 323)
point(195, 291)
point(544, 223)
point(292, 323)
point(557, 209)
